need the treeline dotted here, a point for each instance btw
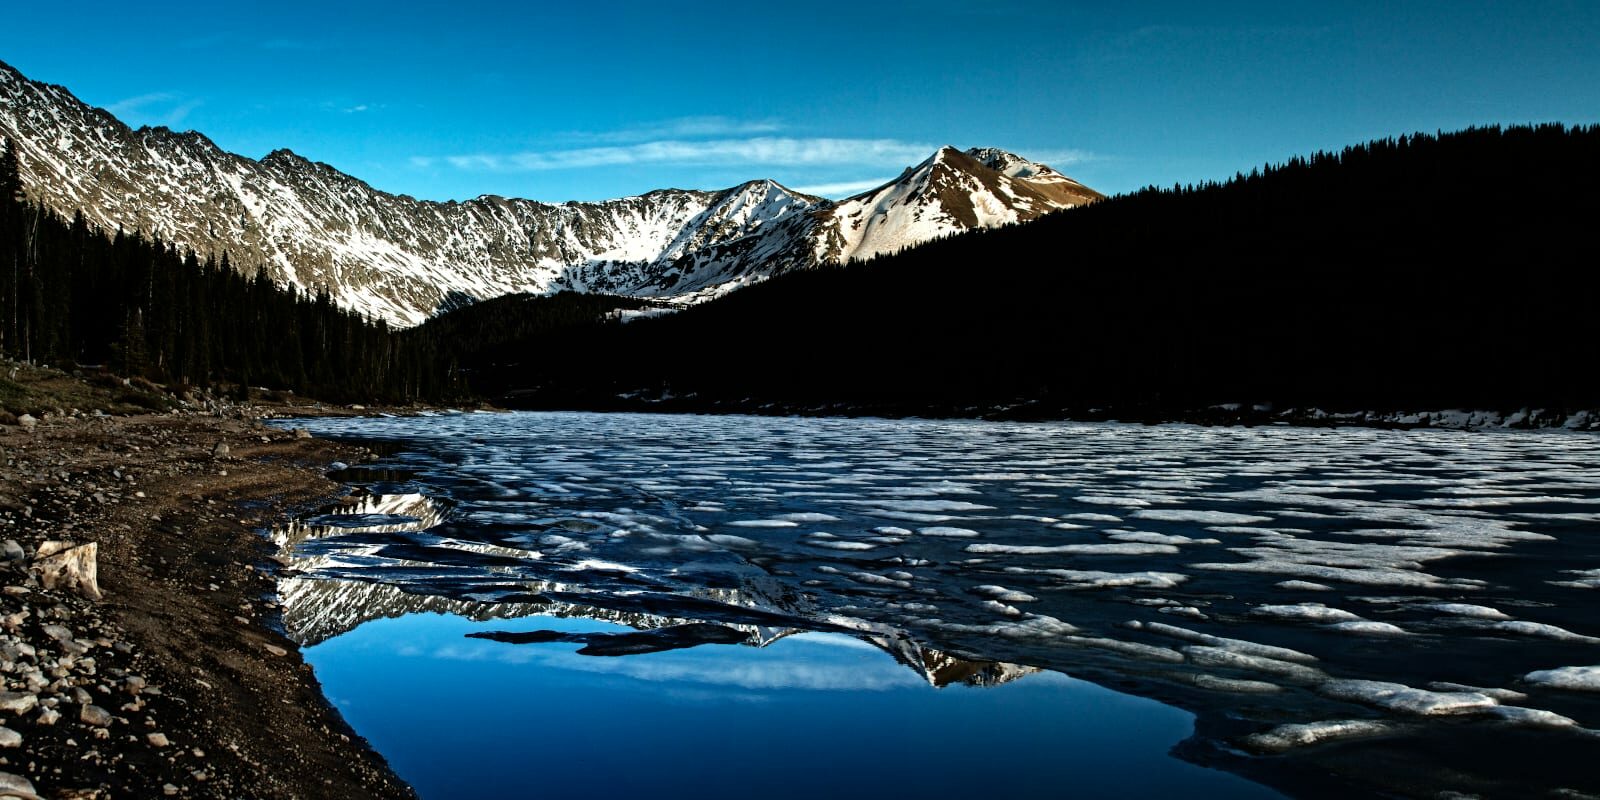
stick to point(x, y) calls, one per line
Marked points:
point(1418, 272)
point(71, 294)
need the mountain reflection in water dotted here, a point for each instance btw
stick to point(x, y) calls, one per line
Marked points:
point(1342, 610)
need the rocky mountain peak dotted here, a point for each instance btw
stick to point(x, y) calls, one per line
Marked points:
point(398, 258)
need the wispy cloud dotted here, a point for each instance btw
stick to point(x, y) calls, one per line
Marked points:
point(156, 108)
point(703, 127)
point(842, 188)
point(760, 150)
point(1062, 158)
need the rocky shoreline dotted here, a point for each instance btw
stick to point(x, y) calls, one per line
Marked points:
point(177, 681)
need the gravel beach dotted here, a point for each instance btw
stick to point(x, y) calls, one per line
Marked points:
point(177, 680)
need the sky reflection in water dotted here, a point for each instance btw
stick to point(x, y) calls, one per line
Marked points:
point(811, 715)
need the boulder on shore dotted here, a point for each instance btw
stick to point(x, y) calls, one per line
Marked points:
point(69, 566)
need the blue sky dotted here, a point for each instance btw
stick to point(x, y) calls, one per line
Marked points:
point(597, 99)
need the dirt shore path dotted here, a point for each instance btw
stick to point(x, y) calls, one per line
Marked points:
point(178, 682)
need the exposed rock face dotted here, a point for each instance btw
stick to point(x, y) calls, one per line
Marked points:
point(401, 259)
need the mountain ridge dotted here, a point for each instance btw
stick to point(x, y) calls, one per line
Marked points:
point(399, 258)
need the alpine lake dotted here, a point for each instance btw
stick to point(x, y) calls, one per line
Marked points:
point(630, 605)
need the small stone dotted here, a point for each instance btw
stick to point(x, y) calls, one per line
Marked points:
point(94, 715)
point(11, 551)
point(220, 450)
point(134, 684)
point(168, 789)
point(18, 702)
point(60, 633)
point(81, 696)
point(157, 739)
point(275, 650)
point(9, 738)
point(27, 421)
point(302, 433)
point(49, 716)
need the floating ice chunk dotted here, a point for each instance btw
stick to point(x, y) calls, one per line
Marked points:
point(596, 564)
point(878, 580)
point(1157, 538)
point(890, 530)
point(1303, 586)
point(1089, 516)
point(1041, 625)
point(909, 516)
point(1235, 685)
point(954, 533)
point(1533, 717)
point(1069, 526)
point(1310, 612)
point(1211, 656)
point(1586, 579)
point(996, 605)
point(1366, 627)
point(1402, 698)
point(832, 544)
point(1369, 576)
point(1503, 695)
point(1111, 500)
point(1543, 630)
point(1577, 679)
point(921, 505)
point(1183, 611)
point(808, 516)
point(1288, 737)
point(1202, 517)
point(1114, 548)
point(1237, 645)
point(1007, 595)
point(1148, 652)
point(1467, 610)
point(762, 523)
point(727, 540)
point(1096, 579)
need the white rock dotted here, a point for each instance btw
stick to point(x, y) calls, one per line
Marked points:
point(72, 567)
point(15, 785)
point(18, 702)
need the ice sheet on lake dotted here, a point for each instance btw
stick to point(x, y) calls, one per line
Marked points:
point(1327, 573)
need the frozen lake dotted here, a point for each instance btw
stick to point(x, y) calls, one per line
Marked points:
point(623, 604)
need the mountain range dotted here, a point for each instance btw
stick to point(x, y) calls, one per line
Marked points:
point(403, 260)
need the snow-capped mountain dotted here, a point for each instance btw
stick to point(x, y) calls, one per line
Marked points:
point(402, 259)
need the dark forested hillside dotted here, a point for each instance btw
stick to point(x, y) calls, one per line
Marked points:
point(1423, 271)
point(72, 294)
